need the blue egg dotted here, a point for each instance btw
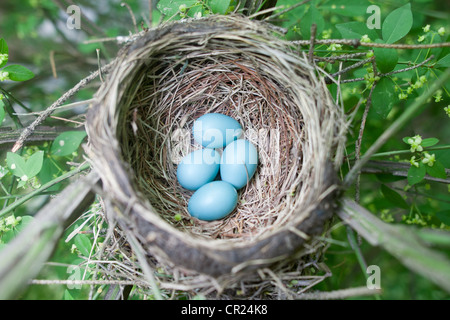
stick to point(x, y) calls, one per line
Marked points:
point(238, 163)
point(198, 168)
point(213, 201)
point(216, 130)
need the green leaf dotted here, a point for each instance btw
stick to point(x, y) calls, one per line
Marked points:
point(67, 143)
point(3, 47)
point(444, 216)
point(428, 142)
point(386, 58)
point(18, 72)
point(383, 97)
point(416, 174)
point(3, 50)
point(219, 6)
point(405, 139)
point(349, 8)
point(397, 24)
point(437, 170)
point(393, 197)
point(25, 169)
point(312, 16)
point(16, 164)
point(34, 164)
point(83, 244)
point(444, 62)
point(355, 30)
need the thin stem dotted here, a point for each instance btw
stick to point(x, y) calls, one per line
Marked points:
point(49, 184)
point(405, 117)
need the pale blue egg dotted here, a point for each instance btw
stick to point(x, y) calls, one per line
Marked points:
point(213, 201)
point(238, 163)
point(216, 130)
point(198, 168)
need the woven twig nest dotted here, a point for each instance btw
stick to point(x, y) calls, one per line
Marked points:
point(140, 127)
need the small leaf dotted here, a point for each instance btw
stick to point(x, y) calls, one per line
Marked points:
point(311, 17)
point(67, 143)
point(18, 72)
point(383, 97)
point(393, 197)
point(405, 139)
point(437, 170)
point(219, 6)
point(25, 169)
point(83, 244)
point(416, 174)
point(428, 142)
point(16, 164)
point(34, 164)
point(444, 62)
point(386, 58)
point(397, 24)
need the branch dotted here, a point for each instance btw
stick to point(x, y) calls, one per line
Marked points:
point(405, 117)
point(23, 258)
point(356, 43)
point(28, 130)
point(402, 242)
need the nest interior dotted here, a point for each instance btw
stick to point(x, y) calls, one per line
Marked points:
point(140, 128)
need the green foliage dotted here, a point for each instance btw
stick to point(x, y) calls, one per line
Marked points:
point(397, 24)
point(25, 169)
point(413, 200)
point(12, 72)
point(178, 9)
point(67, 143)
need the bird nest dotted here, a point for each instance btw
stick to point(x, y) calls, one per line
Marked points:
point(141, 126)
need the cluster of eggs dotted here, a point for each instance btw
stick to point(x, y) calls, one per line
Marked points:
point(214, 198)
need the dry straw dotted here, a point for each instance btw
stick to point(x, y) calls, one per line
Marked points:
point(139, 128)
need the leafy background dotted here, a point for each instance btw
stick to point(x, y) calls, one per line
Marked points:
point(46, 58)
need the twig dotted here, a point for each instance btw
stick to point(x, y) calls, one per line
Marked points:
point(25, 255)
point(400, 241)
point(49, 184)
point(52, 64)
point(87, 282)
point(409, 68)
point(360, 135)
point(356, 43)
point(124, 4)
point(28, 130)
point(353, 66)
point(341, 57)
point(397, 169)
point(406, 116)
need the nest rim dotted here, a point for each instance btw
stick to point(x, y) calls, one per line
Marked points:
point(176, 247)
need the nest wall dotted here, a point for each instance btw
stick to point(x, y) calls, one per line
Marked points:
point(140, 127)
